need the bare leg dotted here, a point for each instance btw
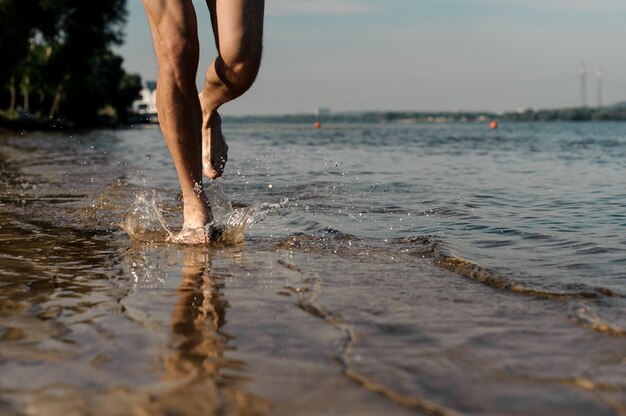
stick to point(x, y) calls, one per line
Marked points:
point(174, 30)
point(238, 30)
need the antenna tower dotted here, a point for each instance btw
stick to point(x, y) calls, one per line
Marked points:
point(583, 83)
point(600, 75)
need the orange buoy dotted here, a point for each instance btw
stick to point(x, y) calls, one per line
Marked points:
point(317, 124)
point(493, 124)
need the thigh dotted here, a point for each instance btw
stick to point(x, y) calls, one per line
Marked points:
point(238, 27)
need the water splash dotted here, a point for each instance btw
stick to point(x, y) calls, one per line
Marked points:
point(144, 219)
point(220, 204)
point(231, 223)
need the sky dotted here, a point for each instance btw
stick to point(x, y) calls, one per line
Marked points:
point(418, 55)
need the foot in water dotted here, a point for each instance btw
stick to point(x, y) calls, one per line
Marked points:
point(193, 236)
point(197, 236)
point(214, 147)
point(198, 221)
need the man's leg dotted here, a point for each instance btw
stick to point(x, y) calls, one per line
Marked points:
point(238, 30)
point(174, 30)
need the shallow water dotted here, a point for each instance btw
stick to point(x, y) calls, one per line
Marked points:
point(427, 269)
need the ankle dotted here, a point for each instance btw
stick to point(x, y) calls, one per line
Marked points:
point(208, 105)
point(196, 218)
point(196, 212)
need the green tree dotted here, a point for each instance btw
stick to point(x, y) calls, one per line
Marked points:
point(127, 92)
point(58, 58)
point(14, 41)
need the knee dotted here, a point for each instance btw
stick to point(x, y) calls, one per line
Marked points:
point(178, 58)
point(241, 67)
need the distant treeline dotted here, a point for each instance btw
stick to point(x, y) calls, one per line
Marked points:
point(366, 117)
point(57, 63)
point(614, 113)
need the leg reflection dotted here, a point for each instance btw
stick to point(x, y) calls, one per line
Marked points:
point(197, 360)
point(196, 320)
point(195, 372)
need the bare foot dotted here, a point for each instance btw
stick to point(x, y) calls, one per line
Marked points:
point(193, 236)
point(214, 147)
point(198, 220)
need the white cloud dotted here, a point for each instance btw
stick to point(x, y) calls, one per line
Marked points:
point(317, 7)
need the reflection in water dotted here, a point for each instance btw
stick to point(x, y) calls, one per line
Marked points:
point(80, 346)
point(193, 380)
point(196, 320)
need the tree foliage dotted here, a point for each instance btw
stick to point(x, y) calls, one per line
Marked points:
point(58, 61)
point(612, 113)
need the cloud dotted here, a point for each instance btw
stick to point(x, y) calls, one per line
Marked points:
point(318, 7)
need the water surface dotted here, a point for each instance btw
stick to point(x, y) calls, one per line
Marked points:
point(384, 269)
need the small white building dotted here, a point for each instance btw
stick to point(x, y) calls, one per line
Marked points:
point(146, 106)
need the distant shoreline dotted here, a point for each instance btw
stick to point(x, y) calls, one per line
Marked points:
point(576, 114)
point(616, 113)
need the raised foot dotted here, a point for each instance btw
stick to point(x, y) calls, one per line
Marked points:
point(214, 147)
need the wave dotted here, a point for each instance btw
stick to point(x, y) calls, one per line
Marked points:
point(443, 257)
point(586, 317)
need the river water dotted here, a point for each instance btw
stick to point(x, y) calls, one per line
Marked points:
point(364, 270)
